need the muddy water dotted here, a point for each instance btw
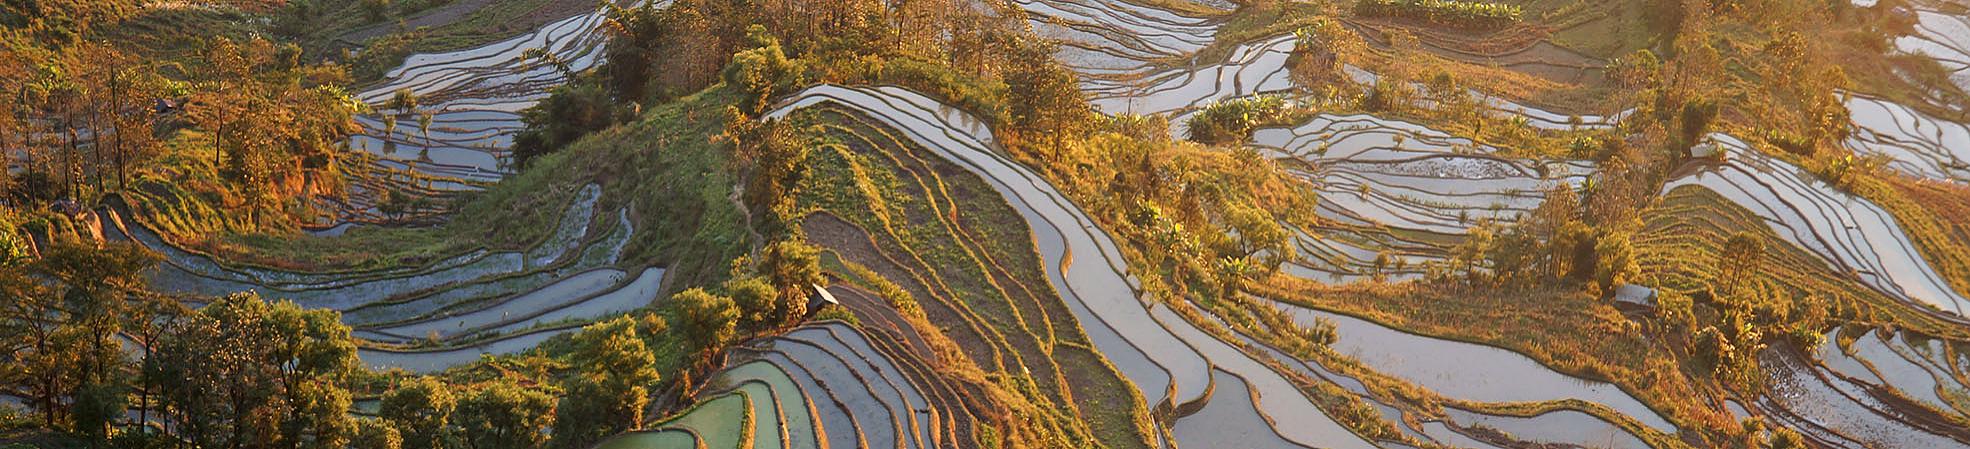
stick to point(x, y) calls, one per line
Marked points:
point(1834, 411)
point(1891, 364)
point(1555, 427)
point(1229, 420)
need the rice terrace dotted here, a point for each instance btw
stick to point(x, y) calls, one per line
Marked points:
point(904, 224)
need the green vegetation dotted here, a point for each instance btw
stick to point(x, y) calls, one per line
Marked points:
point(1231, 122)
point(1469, 14)
point(749, 216)
point(966, 279)
point(378, 34)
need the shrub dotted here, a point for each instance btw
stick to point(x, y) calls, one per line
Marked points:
point(1232, 121)
point(1318, 53)
point(377, 10)
point(763, 71)
point(1615, 260)
point(1444, 12)
point(569, 112)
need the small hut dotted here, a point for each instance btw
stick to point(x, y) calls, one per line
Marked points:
point(820, 299)
point(1634, 296)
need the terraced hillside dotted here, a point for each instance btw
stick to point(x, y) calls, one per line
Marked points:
point(1063, 223)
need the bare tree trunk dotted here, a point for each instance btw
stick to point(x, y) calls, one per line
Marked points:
point(116, 118)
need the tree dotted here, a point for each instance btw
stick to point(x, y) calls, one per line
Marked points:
point(756, 299)
point(377, 10)
point(610, 388)
point(502, 415)
point(321, 417)
point(424, 127)
point(770, 156)
point(1711, 348)
point(794, 269)
point(403, 100)
point(1231, 122)
point(1318, 53)
point(763, 71)
point(706, 320)
point(1742, 255)
point(421, 410)
point(1052, 104)
point(1784, 438)
point(570, 111)
point(62, 315)
point(245, 372)
point(1615, 260)
point(375, 433)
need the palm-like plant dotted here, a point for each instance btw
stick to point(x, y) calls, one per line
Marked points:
point(424, 127)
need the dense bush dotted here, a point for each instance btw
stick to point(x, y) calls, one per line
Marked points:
point(1231, 122)
point(1444, 12)
point(1318, 53)
point(763, 71)
point(571, 111)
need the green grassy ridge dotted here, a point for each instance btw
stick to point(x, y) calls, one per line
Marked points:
point(490, 23)
point(936, 215)
point(1679, 244)
point(662, 167)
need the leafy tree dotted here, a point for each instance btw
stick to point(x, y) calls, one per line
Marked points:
point(1639, 69)
point(374, 433)
point(1231, 122)
point(271, 118)
point(245, 372)
point(1318, 52)
point(706, 320)
point(757, 301)
point(770, 156)
point(1051, 105)
point(61, 317)
point(610, 388)
point(96, 407)
point(1615, 259)
point(63, 21)
point(403, 100)
point(794, 268)
point(763, 71)
point(1785, 438)
point(502, 415)
point(1742, 255)
point(1711, 348)
point(1697, 115)
point(424, 126)
point(321, 417)
point(569, 112)
point(421, 410)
